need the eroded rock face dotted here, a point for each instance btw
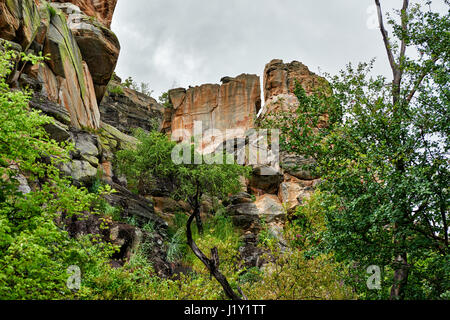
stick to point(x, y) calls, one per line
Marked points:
point(232, 105)
point(279, 85)
point(280, 78)
point(130, 110)
point(102, 10)
point(19, 21)
point(98, 45)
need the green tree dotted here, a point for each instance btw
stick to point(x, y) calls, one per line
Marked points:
point(381, 149)
point(35, 251)
point(153, 159)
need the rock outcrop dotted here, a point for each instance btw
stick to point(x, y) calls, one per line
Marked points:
point(83, 52)
point(128, 109)
point(280, 78)
point(102, 10)
point(232, 105)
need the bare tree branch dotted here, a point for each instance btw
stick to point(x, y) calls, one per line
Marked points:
point(396, 67)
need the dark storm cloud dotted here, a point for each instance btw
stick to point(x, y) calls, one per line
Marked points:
point(173, 43)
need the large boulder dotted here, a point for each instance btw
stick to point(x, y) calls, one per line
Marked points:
point(294, 192)
point(243, 212)
point(135, 206)
point(99, 48)
point(264, 180)
point(81, 171)
point(270, 208)
point(297, 166)
point(248, 212)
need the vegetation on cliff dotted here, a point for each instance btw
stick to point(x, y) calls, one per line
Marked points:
point(381, 149)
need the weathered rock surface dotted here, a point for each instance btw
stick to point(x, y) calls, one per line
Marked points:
point(102, 10)
point(135, 206)
point(19, 21)
point(297, 166)
point(270, 208)
point(98, 45)
point(264, 180)
point(126, 237)
point(232, 105)
point(294, 192)
point(247, 213)
point(130, 110)
point(67, 78)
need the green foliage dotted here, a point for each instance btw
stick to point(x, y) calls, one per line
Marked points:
point(382, 153)
point(51, 10)
point(35, 251)
point(143, 87)
point(152, 159)
point(115, 89)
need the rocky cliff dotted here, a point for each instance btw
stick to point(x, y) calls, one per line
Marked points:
point(75, 86)
point(279, 84)
point(103, 10)
point(232, 105)
point(70, 87)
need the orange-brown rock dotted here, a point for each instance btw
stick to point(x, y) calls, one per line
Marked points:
point(280, 78)
point(279, 85)
point(99, 46)
point(232, 105)
point(19, 21)
point(66, 77)
point(103, 10)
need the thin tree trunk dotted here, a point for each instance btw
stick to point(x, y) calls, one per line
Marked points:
point(401, 264)
point(198, 219)
point(211, 264)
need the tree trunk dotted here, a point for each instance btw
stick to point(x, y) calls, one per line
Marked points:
point(211, 264)
point(400, 278)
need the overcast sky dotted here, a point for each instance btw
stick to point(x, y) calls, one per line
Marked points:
point(178, 43)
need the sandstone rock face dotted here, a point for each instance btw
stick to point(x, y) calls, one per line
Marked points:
point(280, 78)
point(67, 79)
point(19, 21)
point(295, 165)
point(102, 10)
point(262, 181)
point(232, 105)
point(279, 85)
point(73, 78)
point(270, 208)
point(130, 110)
